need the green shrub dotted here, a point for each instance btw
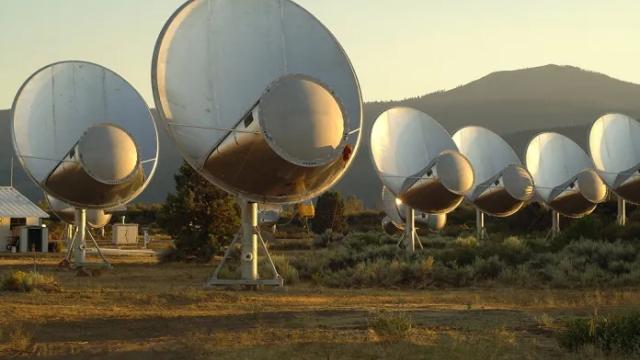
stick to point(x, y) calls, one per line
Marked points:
point(616, 334)
point(588, 227)
point(293, 243)
point(26, 282)
point(330, 214)
point(374, 260)
point(512, 251)
point(452, 275)
point(488, 269)
point(286, 270)
point(200, 217)
point(327, 238)
point(391, 326)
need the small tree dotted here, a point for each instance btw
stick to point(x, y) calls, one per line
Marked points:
point(329, 214)
point(199, 216)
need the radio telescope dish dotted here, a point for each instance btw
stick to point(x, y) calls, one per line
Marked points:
point(417, 160)
point(396, 214)
point(564, 175)
point(615, 150)
point(96, 218)
point(501, 184)
point(84, 135)
point(259, 97)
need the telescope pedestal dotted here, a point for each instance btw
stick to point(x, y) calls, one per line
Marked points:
point(622, 212)
point(481, 230)
point(77, 248)
point(410, 235)
point(555, 225)
point(250, 238)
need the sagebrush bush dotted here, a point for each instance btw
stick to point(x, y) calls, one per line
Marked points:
point(288, 272)
point(16, 338)
point(615, 334)
point(374, 260)
point(28, 281)
point(391, 326)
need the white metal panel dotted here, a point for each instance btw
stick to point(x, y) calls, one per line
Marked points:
point(390, 206)
point(96, 218)
point(614, 143)
point(487, 152)
point(215, 58)
point(15, 205)
point(553, 160)
point(60, 102)
point(395, 210)
point(404, 142)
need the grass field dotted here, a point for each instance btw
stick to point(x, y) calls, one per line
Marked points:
point(145, 310)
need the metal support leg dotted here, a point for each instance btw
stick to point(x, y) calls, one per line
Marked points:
point(276, 275)
point(481, 230)
point(226, 256)
point(555, 224)
point(622, 212)
point(479, 224)
point(410, 230)
point(249, 238)
point(69, 234)
point(401, 240)
point(77, 248)
point(80, 253)
point(249, 259)
point(70, 246)
point(104, 259)
point(409, 236)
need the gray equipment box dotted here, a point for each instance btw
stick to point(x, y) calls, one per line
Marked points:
point(124, 234)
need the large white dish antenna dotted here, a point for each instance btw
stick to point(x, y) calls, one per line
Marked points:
point(614, 144)
point(564, 175)
point(501, 184)
point(418, 161)
point(96, 218)
point(259, 97)
point(396, 214)
point(84, 135)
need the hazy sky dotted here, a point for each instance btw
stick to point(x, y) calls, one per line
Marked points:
point(399, 48)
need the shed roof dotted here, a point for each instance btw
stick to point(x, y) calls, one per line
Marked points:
point(15, 205)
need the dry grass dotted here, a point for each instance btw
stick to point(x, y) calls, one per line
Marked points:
point(142, 310)
point(21, 281)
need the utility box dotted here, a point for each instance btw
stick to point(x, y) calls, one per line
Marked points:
point(124, 234)
point(33, 238)
point(307, 210)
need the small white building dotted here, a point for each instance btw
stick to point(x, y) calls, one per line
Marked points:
point(17, 212)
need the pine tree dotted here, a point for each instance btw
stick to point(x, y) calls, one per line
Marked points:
point(329, 214)
point(200, 217)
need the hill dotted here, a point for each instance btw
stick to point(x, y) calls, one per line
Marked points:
point(515, 104)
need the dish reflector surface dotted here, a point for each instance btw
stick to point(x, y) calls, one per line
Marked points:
point(418, 161)
point(501, 185)
point(259, 97)
point(564, 175)
point(396, 210)
point(84, 135)
point(614, 143)
point(96, 218)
